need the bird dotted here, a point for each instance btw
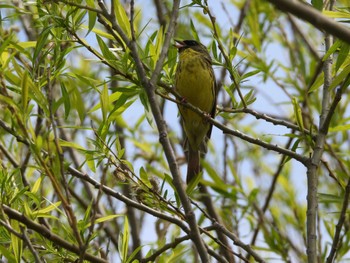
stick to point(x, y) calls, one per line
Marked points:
point(195, 83)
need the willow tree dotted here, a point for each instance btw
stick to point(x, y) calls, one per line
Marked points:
point(91, 147)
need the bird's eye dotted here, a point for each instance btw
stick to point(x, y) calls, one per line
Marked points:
point(192, 43)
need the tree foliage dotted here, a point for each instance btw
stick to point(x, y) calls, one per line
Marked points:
point(91, 150)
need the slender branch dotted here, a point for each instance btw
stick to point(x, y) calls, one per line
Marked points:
point(205, 198)
point(86, 7)
point(314, 17)
point(30, 246)
point(223, 51)
point(298, 30)
point(159, 8)
point(312, 167)
point(149, 85)
point(128, 201)
point(345, 204)
point(268, 118)
point(173, 244)
point(237, 133)
point(339, 226)
point(242, 16)
point(238, 242)
point(270, 193)
point(44, 232)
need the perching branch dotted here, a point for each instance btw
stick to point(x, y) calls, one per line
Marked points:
point(237, 133)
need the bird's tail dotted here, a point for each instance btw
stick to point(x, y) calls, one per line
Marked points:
point(193, 167)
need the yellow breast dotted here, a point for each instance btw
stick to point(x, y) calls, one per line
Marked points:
point(195, 82)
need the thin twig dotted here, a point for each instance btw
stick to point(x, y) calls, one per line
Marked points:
point(128, 201)
point(238, 242)
point(46, 233)
point(239, 134)
point(312, 176)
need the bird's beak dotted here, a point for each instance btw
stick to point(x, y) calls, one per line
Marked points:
point(179, 44)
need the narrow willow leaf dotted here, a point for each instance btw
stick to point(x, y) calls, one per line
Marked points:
point(24, 91)
point(104, 102)
point(66, 100)
point(194, 30)
point(124, 241)
point(159, 44)
point(7, 254)
point(336, 14)
point(71, 145)
point(318, 82)
point(16, 242)
point(144, 177)
point(49, 208)
point(297, 113)
point(103, 219)
point(100, 32)
point(343, 55)
point(90, 162)
point(92, 15)
point(122, 17)
point(340, 128)
point(36, 185)
point(332, 49)
point(340, 78)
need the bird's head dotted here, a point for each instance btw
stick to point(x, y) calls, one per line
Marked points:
point(182, 45)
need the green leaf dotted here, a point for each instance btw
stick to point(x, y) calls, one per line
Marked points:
point(318, 4)
point(36, 185)
point(318, 82)
point(100, 32)
point(24, 90)
point(90, 161)
point(341, 77)
point(122, 17)
point(298, 114)
point(107, 218)
point(194, 182)
point(343, 55)
point(47, 209)
point(250, 74)
point(5, 43)
point(340, 128)
point(329, 198)
point(144, 177)
point(104, 99)
point(133, 254)
point(103, 219)
point(117, 111)
point(71, 145)
point(7, 254)
point(66, 100)
point(41, 43)
point(336, 14)
point(194, 31)
point(16, 242)
point(105, 50)
point(123, 241)
point(332, 49)
point(92, 15)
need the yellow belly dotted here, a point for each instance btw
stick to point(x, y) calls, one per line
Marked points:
point(195, 83)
